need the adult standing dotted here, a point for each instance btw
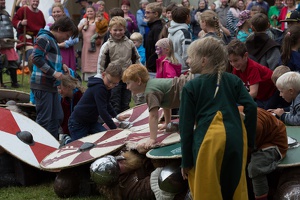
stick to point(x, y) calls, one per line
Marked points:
point(286, 12)
point(131, 23)
point(222, 12)
point(66, 47)
point(261, 3)
point(195, 18)
point(89, 60)
point(33, 25)
point(84, 4)
point(7, 46)
point(274, 13)
point(64, 5)
point(141, 22)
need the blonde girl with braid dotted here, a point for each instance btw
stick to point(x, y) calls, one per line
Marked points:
point(214, 138)
point(211, 26)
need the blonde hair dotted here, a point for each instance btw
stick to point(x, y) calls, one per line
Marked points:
point(117, 21)
point(136, 36)
point(289, 80)
point(215, 53)
point(278, 71)
point(155, 7)
point(135, 72)
point(167, 43)
point(212, 20)
point(72, 83)
point(58, 5)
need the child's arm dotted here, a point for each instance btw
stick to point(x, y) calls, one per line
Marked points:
point(293, 117)
point(153, 125)
point(253, 90)
point(167, 115)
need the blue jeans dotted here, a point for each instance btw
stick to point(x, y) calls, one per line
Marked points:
point(49, 113)
point(78, 130)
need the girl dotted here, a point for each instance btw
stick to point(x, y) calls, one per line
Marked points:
point(71, 91)
point(211, 26)
point(214, 138)
point(244, 26)
point(167, 66)
point(291, 43)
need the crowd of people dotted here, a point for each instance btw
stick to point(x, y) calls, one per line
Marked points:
point(199, 63)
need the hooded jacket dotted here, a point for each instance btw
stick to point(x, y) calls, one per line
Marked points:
point(166, 69)
point(181, 38)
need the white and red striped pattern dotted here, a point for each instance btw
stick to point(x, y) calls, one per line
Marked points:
point(44, 143)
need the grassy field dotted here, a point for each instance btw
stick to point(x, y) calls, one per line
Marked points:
point(43, 190)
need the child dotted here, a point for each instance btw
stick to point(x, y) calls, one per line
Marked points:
point(152, 14)
point(71, 91)
point(256, 78)
point(94, 103)
point(288, 85)
point(210, 25)
point(270, 147)
point(244, 26)
point(180, 35)
point(291, 43)
point(137, 39)
point(213, 135)
point(118, 49)
point(164, 32)
point(265, 50)
point(47, 70)
point(167, 65)
point(159, 93)
point(101, 29)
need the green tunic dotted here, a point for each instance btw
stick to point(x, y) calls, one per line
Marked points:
point(217, 146)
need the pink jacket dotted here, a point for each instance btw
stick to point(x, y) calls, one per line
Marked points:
point(166, 69)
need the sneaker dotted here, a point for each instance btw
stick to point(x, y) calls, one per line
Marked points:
point(65, 140)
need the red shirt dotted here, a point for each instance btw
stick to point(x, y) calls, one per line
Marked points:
point(256, 73)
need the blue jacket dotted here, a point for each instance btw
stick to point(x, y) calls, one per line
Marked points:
point(94, 102)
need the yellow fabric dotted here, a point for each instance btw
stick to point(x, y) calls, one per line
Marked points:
point(204, 178)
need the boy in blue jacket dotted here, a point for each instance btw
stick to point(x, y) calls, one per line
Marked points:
point(95, 102)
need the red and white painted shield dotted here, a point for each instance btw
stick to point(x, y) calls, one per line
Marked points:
point(85, 150)
point(163, 138)
point(32, 148)
point(138, 120)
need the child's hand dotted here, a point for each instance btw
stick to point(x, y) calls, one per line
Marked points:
point(278, 111)
point(184, 173)
point(122, 117)
point(150, 142)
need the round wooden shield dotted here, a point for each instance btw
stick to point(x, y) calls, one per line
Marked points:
point(17, 96)
point(24, 138)
point(166, 152)
point(85, 150)
point(292, 157)
point(138, 120)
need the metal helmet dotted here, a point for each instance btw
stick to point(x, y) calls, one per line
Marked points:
point(170, 179)
point(105, 170)
point(66, 183)
point(172, 127)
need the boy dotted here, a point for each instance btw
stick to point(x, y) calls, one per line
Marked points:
point(47, 69)
point(118, 49)
point(137, 39)
point(158, 92)
point(270, 147)
point(256, 78)
point(101, 29)
point(152, 14)
point(180, 35)
point(95, 102)
point(288, 85)
point(260, 46)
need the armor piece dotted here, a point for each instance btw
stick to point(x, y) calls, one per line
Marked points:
point(6, 32)
point(105, 170)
